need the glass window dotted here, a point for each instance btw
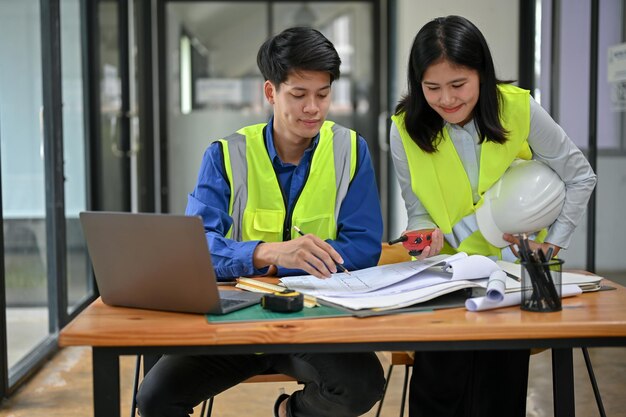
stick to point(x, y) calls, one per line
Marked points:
point(573, 106)
point(215, 87)
point(23, 188)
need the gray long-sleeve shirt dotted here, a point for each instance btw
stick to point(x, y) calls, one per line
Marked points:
point(549, 144)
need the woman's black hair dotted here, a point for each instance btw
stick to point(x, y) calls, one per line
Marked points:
point(456, 40)
point(297, 49)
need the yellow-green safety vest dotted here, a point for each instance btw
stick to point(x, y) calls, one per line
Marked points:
point(440, 182)
point(257, 205)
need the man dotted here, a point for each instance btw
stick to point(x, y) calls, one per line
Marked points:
point(254, 187)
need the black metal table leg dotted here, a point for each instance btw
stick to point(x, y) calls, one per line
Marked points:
point(563, 382)
point(106, 383)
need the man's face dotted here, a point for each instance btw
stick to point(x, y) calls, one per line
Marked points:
point(300, 104)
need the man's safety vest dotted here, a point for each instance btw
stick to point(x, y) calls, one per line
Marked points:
point(257, 204)
point(440, 182)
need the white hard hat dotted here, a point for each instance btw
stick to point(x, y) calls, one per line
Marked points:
point(527, 198)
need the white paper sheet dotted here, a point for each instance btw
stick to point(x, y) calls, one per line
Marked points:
point(403, 284)
point(363, 280)
point(472, 267)
point(393, 301)
point(426, 278)
point(584, 281)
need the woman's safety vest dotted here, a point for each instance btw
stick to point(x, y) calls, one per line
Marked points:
point(440, 182)
point(257, 204)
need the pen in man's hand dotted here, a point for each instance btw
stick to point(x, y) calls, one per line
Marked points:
point(340, 266)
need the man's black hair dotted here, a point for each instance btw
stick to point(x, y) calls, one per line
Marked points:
point(297, 49)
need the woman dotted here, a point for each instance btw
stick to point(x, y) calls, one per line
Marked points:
point(453, 135)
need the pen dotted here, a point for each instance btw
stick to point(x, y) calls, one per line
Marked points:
point(343, 268)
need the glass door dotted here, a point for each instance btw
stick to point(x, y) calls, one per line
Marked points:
point(43, 180)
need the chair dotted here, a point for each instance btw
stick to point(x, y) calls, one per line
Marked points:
point(397, 358)
point(207, 405)
point(396, 253)
point(405, 358)
point(391, 254)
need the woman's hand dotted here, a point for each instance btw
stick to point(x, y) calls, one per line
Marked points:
point(515, 245)
point(435, 246)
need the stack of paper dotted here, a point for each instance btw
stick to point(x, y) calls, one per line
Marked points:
point(585, 282)
point(397, 285)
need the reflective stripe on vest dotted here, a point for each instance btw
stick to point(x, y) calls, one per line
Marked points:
point(257, 205)
point(440, 182)
point(463, 229)
point(234, 148)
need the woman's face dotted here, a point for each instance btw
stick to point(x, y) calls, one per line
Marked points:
point(451, 90)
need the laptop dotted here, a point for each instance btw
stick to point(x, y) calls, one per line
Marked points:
point(157, 262)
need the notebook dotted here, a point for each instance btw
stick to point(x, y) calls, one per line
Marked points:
point(157, 262)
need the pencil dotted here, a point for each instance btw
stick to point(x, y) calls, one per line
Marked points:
point(340, 266)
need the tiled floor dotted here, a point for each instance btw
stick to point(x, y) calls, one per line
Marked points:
point(63, 388)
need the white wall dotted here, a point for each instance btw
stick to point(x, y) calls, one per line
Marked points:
point(611, 206)
point(498, 21)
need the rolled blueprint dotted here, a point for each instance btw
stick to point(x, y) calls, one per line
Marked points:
point(496, 286)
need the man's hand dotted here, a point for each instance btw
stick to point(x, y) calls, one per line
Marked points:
point(308, 252)
point(435, 246)
point(514, 241)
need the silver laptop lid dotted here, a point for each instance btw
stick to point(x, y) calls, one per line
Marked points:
point(152, 261)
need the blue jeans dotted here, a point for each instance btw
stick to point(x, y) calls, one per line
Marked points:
point(335, 384)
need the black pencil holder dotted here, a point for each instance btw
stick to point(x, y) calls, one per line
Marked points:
point(541, 285)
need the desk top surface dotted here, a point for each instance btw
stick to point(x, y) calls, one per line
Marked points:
point(590, 315)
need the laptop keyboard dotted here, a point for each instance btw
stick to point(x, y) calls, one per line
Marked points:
point(229, 302)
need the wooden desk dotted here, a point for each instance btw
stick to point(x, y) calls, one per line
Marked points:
point(592, 319)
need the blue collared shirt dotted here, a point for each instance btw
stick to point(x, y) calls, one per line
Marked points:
point(359, 225)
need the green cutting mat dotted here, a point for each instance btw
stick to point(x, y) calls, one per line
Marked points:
point(258, 313)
